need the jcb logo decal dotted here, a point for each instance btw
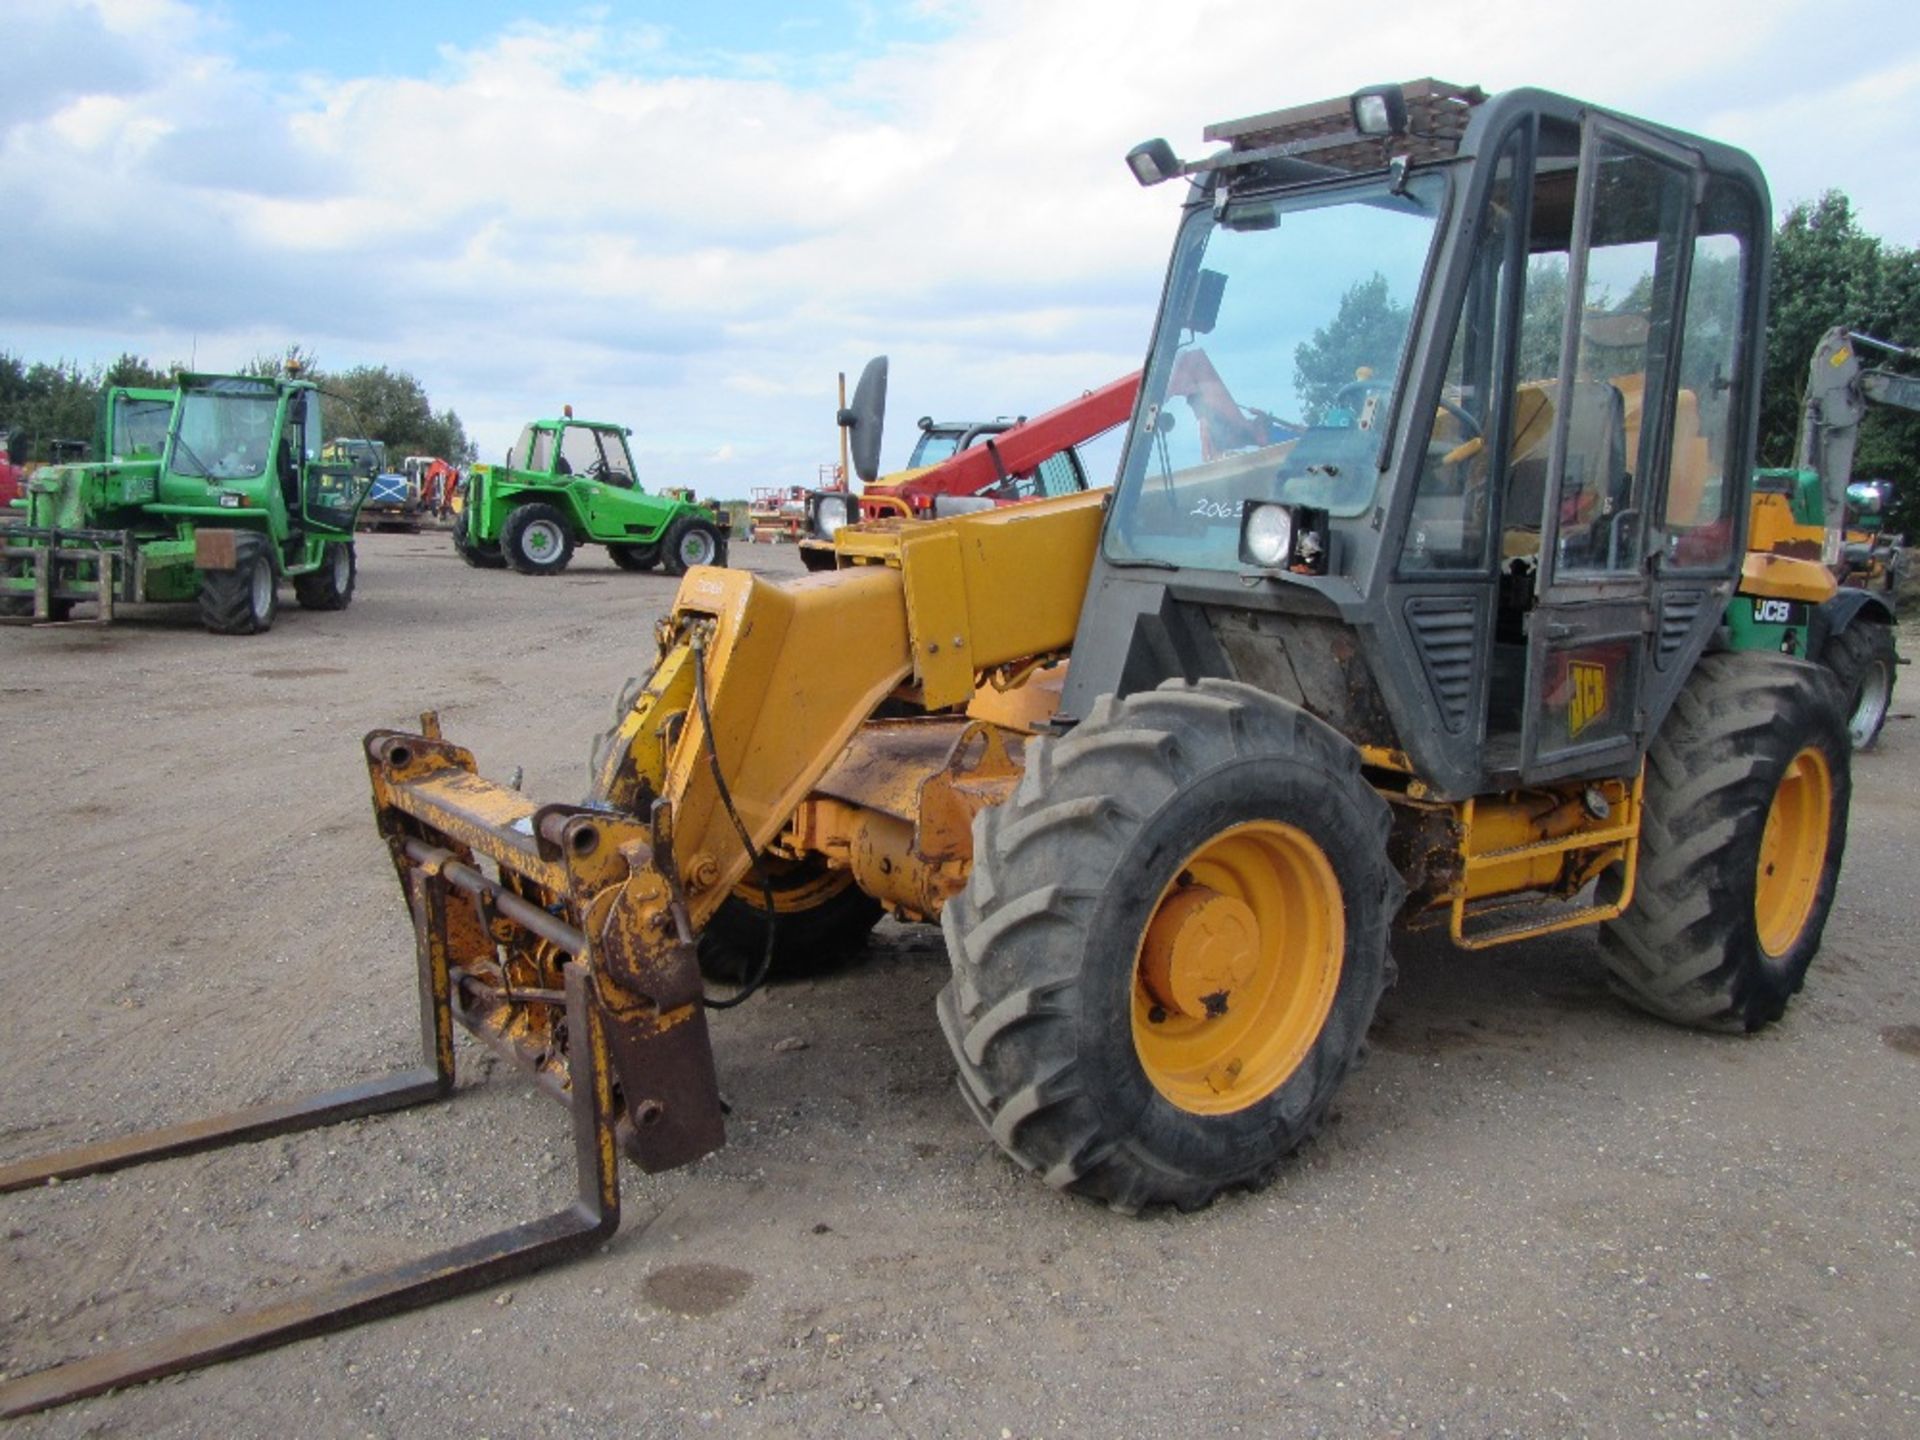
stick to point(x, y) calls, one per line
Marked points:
point(1772, 612)
point(1589, 700)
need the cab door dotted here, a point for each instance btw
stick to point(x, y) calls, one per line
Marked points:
point(331, 491)
point(1605, 420)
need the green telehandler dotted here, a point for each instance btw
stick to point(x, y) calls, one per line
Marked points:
point(570, 482)
point(217, 507)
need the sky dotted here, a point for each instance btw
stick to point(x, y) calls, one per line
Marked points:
point(689, 218)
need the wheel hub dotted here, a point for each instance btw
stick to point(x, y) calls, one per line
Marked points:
point(1793, 850)
point(1237, 967)
point(1200, 948)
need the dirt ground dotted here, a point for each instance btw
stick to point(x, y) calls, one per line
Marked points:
point(1536, 1213)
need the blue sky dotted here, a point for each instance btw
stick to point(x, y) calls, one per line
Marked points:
point(688, 217)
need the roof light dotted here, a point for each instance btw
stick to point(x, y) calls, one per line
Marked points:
point(1153, 161)
point(1380, 110)
point(566, 412)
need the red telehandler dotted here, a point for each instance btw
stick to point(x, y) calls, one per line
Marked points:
point(1032, 460)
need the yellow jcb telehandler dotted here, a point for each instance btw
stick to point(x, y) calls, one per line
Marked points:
point(1397, 610)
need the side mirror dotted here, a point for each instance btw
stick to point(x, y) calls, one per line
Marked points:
point(865, 417)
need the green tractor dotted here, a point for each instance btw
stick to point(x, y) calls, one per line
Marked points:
point(216, 506)
point(570, 482)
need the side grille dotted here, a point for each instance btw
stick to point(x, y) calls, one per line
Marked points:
point(1444, 631)
point(1679, 609)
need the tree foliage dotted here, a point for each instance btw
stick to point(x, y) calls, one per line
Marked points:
point(46, 401)
point(41, 402)
point(381, 404)
point(1827, 271)
point(1365, 334)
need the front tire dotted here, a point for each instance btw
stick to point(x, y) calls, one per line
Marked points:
point(1863, 659)
point(1171, 945)
point(690, 542)
point(331, 586)
point(245, 599)
point(535, 539)
point(1745, 821)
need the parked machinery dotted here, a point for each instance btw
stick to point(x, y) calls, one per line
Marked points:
point(985, 465)
point(570, 482)
point(218, 507)
point(1808, 585)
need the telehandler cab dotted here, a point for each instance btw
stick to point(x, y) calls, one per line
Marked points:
point(1399, 608)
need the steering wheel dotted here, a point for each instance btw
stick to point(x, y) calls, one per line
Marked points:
point(597, 470)
point(1354, 393)
point(1469, 427)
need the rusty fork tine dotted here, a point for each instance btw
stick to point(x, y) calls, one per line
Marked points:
point(593, 1216)
point(260, 1122)
point(427, 1081)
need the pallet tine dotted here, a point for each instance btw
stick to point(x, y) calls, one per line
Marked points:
point(593, 1215)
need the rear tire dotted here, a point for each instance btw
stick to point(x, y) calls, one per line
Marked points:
point(243, 600)
point(1740, 844)
point(1864, 660)
point(331, 586)
point(690, 542)
point(635, 557)
point(1087, 912)
point(481, 554)
point(535, 539)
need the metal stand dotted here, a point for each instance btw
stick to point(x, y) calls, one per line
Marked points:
point(593, 1216)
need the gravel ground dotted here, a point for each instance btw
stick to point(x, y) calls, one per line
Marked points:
point(1535, 1212)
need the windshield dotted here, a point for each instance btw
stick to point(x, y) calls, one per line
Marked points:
point(934, 447)
point(1275, 380)
point(226, 430)
point(140, 426)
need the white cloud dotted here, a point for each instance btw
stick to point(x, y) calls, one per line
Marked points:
point(575, 213)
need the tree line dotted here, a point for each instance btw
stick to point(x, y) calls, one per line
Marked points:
point(46, 401)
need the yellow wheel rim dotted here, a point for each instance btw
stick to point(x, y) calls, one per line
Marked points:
point(1238, 967)
point(1793, 851)
point(798, 885)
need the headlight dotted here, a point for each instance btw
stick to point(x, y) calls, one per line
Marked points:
point(1266, 535)
point(830, 516)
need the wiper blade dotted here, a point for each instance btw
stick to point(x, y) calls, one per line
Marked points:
point(1143, 563)
point(179, 444)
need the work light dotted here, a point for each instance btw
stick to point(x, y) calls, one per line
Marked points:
point(1380, 110)
point(1266, 535)
point(1153, 161)
point(829, 516)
